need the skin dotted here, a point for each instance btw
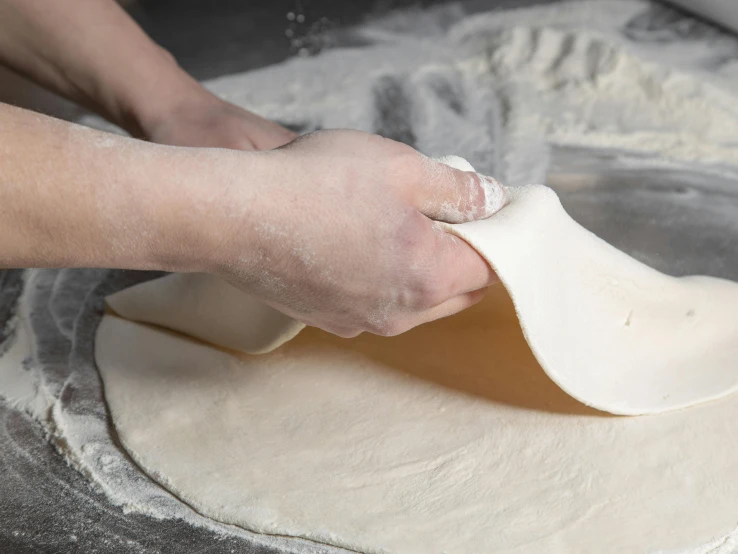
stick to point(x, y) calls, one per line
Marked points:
point(336, 228)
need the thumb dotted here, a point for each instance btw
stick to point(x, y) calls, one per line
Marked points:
point(454, 193)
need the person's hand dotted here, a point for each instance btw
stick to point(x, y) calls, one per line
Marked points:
point(120, 73)
point(341, 234)
point(211, 122)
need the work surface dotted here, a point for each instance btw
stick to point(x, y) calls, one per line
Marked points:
point(680, 220)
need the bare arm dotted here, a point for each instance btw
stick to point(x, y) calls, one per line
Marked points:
point(75, 197)
point(336, 229)
point(93, 53)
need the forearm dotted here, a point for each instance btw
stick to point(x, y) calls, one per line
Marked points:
point(75, 197)
point(93, 53)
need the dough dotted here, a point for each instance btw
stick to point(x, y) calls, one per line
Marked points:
point(208, 308)
point(448, 438)
point(451, 438)
point(610, 331)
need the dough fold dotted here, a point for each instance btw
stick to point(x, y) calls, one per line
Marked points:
point(448, 438)
point(610, 331)
point(207, 308)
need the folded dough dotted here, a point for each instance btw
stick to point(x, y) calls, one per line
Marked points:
point(448, 438)
point(610, 331)
point(208, 308)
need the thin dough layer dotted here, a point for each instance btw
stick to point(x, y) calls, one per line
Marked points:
point(209, 309)
point(610, 331)
point(449, 438)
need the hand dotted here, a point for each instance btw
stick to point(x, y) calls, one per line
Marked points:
point(341, 234)
point(120, 73)
point(214, 123)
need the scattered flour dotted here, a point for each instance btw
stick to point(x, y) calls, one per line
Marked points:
point(499, 88)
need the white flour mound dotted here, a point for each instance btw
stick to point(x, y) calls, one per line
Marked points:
point(582, 88)
point(522, 80)
point(497, 88)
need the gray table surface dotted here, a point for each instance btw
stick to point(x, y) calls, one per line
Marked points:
point(46, 506)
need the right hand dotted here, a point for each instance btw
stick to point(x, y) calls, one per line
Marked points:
point(341, 234)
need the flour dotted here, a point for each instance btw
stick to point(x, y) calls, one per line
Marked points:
point(473, 188)
point(54, 379)
point(498, 88)
point(586, 88)
point(503, 87)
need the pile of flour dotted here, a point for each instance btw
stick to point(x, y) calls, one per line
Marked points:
point(498, 88)
point(504, 86)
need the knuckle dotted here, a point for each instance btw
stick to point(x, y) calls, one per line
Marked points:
point(405, 167)
point(344, 332)
point(377, 327)
point(430, 291)
point(411, 235)
point(389, 328)
point(476, 190)
point(424, 282)
point(470, 194)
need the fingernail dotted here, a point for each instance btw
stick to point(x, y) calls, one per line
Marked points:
point(495, 195)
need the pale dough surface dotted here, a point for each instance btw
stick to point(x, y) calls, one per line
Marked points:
point(451, 438)
point(208, 308)
point(610, 331)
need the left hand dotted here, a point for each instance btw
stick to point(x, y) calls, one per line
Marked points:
point(114, 69)
point(214, 123)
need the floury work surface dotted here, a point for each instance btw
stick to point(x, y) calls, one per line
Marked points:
point(644, 189)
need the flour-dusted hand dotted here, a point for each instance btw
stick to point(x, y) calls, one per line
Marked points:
point(340, 234)
point(100, 58)
point(337, 229)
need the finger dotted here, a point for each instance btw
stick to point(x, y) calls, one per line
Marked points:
point(453, 305)
point(449, 307)
point(458, 265)
point(453, 192)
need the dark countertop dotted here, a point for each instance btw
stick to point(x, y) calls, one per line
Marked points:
point(49, 507)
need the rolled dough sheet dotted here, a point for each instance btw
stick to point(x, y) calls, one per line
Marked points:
point(208, 308)
point(610, 331)
point(449, 438)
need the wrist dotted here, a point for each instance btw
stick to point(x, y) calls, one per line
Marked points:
point(206, 209)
